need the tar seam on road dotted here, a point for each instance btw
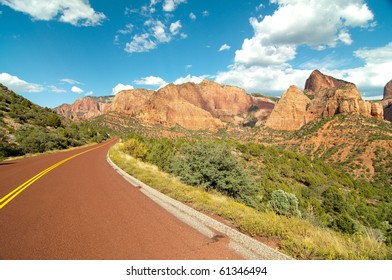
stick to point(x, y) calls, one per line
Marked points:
point(14, 193)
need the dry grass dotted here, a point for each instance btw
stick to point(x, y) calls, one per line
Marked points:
point(298, 238)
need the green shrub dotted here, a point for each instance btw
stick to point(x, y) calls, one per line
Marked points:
point(215, 168)
point(135, 148)
point(333, 200)
point(344, 223)
point(284, 203)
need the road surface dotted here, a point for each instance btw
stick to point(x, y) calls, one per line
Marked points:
point(73, 205)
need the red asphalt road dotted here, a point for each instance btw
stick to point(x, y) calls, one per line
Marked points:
point(83, 209)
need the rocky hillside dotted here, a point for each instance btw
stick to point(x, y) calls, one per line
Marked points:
point(387, 101)
point(324, 96)
point(85, 108)
point(205, 106)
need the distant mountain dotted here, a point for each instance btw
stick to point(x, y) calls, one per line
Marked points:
point(211, 106)
point(207, 105)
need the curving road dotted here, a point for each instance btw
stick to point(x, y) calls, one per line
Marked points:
point(73, 205)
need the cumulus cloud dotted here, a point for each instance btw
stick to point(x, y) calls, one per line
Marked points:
point(263, 62)
point(171, 5)
point(75, 12)
point(175, 27)
point(140, 43)
point(127, 30)
point(370, 78)
point(121, 87)
point(263, 79)
point(189, 78)
point(151, 81)
point(158, 30)
point(375, 72)
point(224, 47)
point(205, 13)
point(345, 37)
point(297, 22)
point(89, 93)
point(310, 22)
point(157, 33)
point(192, 16)
point(77, 90)
point(254, 53)
point(19, 85)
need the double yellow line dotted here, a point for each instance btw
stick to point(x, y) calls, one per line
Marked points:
point(14, 193)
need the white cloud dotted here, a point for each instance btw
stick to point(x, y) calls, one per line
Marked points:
point(121, 87)
point(140, 43)
point(369, 78)
point(192, 16)
point(345, 37)
point(254, 53)
point(298, 22)
point(263, 79)
point(158, 30)
point(127, 30)
point(205, 13)
point(77, 90)
point(70, 81)
point(171, 5)
point(375, 72)
point(158, 33)
point(18, 85)
point(224, 47)
point(75, 12)
point(189, 78)
point(175, 27)
point(356, 14)
point(151, 81)
point(189, 66)
point(310, 22)
point(259, 7)
point(262, 63)
point(89, 93)
point(116, 40)
point(56, 89)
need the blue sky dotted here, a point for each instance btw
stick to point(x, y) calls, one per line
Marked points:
point(54, 54)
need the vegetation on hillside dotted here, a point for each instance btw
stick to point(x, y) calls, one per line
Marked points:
point(28, 128)
point(299, 237)
point(269, 179)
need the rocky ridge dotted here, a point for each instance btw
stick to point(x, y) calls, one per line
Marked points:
point(210, 106)
point(207, 105)
point(388, 91)
point(290, 112)
point(83, 108)
point(324, 96)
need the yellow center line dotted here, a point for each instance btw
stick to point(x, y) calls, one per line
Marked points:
point(14, 193)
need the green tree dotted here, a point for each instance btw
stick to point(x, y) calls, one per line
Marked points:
point(333, 200)
point(53, 120)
